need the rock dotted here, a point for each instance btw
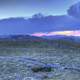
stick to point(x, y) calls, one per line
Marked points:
point(42, 69)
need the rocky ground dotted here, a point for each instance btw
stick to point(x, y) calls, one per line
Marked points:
point(65, 64)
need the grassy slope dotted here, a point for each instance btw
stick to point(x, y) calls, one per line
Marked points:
point(40, 44)
point(37, 47)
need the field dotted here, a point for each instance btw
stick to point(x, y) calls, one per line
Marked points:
point(15, 62)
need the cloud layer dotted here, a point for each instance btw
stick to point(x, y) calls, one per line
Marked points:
point(74, 10)
point(66, 33)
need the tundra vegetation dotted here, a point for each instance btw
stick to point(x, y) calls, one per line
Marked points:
point(39, 60)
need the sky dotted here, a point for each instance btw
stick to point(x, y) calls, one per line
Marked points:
point(27, 8)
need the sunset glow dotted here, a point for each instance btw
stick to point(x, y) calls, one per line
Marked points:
point(66, 33)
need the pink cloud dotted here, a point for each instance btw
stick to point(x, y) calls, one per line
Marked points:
point(39, 34)
point(66, 33)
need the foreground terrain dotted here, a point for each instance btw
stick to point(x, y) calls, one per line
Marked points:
point(34, 58)
point(16, 63)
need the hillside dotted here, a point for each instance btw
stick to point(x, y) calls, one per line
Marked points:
point(32, 41)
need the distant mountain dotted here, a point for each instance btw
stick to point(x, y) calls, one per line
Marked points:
point(71, 39)
point(43, 38)
point(32, 41)
point(22, 41)
point(21, 38)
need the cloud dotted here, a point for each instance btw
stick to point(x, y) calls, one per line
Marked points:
point(66, 33)
point(39, 34)
point(74, 10)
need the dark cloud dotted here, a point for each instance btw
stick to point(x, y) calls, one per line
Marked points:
point(74, 10)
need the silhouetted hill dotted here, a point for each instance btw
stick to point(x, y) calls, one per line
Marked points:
point(63, 37)
point(32, 41)
point(22, 41)
point(21, 38)
point(62, 41)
